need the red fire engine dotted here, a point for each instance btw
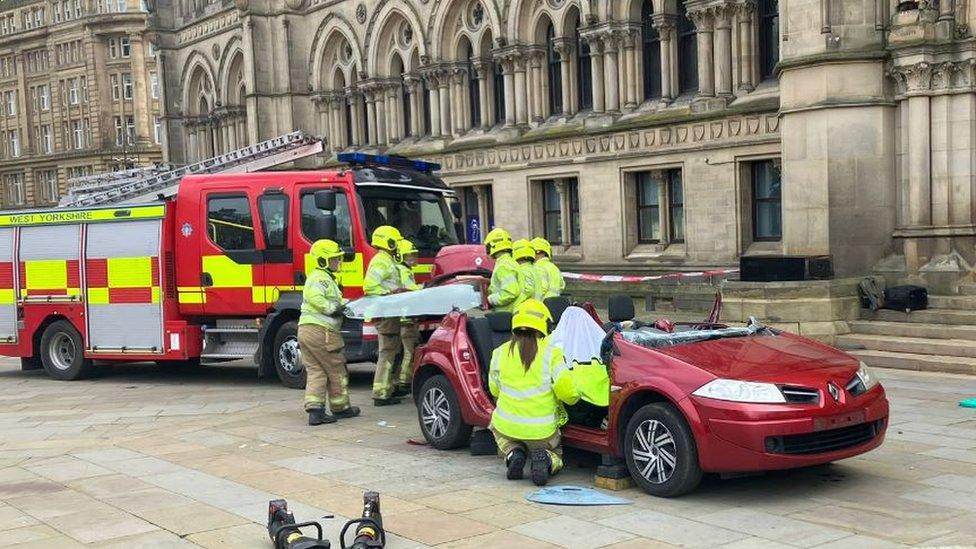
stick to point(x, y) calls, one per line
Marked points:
point(210, 268)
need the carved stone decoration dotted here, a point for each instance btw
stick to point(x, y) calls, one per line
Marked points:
point(590, 146)
point(361, 13)
point(604, 144)
point(649, 138)
point(634, 140)
point(563, 148)
point(577, 147)
point(752, 125)
point(699, 132)
point(681, 134)
point(717, 129)
point(550, 149)
point(294, 4)
point(735, 126)
point(537, 150)
point(666, 136)
point(772, 124)
point(215, 52)
point(619, 142)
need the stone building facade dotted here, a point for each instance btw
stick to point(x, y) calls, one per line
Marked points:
point(637, 135)
point(80, 94)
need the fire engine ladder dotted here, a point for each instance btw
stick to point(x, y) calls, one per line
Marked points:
point(143, 188)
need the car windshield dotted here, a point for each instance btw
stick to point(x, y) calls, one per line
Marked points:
point(422, 217)
point(647, 336)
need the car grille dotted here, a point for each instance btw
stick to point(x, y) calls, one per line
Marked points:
point(825, 441)
point(800, 395)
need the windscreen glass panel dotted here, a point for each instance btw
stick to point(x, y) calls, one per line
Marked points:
point(421, 217)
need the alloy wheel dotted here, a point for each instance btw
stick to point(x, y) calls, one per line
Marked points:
point(436, 412)
point(654, 451)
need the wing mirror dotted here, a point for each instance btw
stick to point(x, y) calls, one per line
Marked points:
point(325, 200)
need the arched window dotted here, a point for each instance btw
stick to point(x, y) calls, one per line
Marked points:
point(584, 80)
point(687, 52)
point(651, 53)
point(474, 95)
point(555, 75)
point(768, 37)
point(498, 83)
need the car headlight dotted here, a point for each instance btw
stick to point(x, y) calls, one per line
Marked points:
point(741, 391)
point(867, 377)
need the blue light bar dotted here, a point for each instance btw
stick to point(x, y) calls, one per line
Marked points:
point(389, 160)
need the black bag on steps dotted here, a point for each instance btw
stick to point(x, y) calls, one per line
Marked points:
point(906, 298)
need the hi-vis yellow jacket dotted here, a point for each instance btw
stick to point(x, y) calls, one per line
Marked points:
point(322, 301)
point(528, 401)
point(553, 284)
point(407, 280)
point(503, 290)
point(382, 276)
point(528, 280)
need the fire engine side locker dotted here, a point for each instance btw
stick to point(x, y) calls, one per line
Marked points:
point(123, 289)
point(8, 287)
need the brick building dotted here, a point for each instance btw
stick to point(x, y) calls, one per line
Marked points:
point(80, 94)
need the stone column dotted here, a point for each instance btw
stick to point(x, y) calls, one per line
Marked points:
point(434, 98)
point(564, 47)
point(703, 25)
point(665, 27)
point(521, 92)
point(611, 79)
point(353, 97)
point(444, 81)
point(411, 88)
point(370, 117)
point(630, 44)
point(919, 146)
point(596, 64)
point(723, 51)
point(536, 110)
point(744, 14)
point(508, 73)
point(381, 115)
point(482, 69)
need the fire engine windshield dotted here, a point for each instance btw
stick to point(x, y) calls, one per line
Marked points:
point(422, 217)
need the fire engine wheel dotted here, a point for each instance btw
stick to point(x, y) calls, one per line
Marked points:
point(287, 360)
point(440, 415)
point(63, 352)
point(661, 453)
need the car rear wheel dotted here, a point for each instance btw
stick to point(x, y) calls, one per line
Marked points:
point(63, 352)
point(661, 452)
point(440, 415)
point(287, 361)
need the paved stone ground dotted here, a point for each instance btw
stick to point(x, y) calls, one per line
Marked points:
point(141, 457)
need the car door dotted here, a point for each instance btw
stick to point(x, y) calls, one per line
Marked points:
point(276, 271)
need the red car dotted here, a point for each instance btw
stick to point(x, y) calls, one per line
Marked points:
point(719, 403)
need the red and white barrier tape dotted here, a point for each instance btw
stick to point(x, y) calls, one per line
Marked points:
point(634, 279)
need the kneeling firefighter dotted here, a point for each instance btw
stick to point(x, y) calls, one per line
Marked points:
point(383, 278)
point(320, 338)
point(529, 378)
point(406, 257)
point(503, 290)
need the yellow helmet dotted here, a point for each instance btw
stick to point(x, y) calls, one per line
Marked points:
point(324, 250)
point(542, 246)
point(522, 249)
point(532, 314)
point(385, 237)
point(498, 240)
point(404, 248)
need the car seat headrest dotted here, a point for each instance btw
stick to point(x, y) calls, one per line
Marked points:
point(620, 308)
point(557, 306)
point(500, 321)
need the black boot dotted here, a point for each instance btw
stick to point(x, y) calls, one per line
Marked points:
point(541, 463)
point(317, 416)
point(386, 401)
point(401, 390)
point(515, 460)
point(349, 412)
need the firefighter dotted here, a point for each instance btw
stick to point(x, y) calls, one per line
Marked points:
point(503, 290)
point(549, 274)
point(529, 379)
point(320, 338)
point(406, 257)
point(524, 255)
point(383, 278)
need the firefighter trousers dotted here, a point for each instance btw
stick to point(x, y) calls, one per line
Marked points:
point(325, 368)
point(389, 348)
point(409, 338)
point(552, 445)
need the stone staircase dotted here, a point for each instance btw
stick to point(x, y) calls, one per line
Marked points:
point(941, 338)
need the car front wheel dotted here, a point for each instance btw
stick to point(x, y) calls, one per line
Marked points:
point(440, 415)
point(660, 450)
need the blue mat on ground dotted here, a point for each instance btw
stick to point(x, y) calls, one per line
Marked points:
point(968, 403)
point(574, 495)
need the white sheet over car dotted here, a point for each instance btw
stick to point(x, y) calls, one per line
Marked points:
point(427, 302)
point(578, 335)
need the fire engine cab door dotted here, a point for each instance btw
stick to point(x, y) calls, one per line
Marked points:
point(122, 288)
point(231, 261)
point(8, 295)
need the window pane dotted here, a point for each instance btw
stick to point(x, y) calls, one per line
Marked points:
point(555, 75)
point(553, 228)
point(767, 180)
point(574, 211)
point(229, 222)
point(274, 220)
point(550, 197)
point(768, 36)
point(343, 220)
point(767, 201)
point(677, 224)
point(652, 53)
point(647, 190)
point(677, 193)
point(768, 221)
point(687, 52)
point(649, 224)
